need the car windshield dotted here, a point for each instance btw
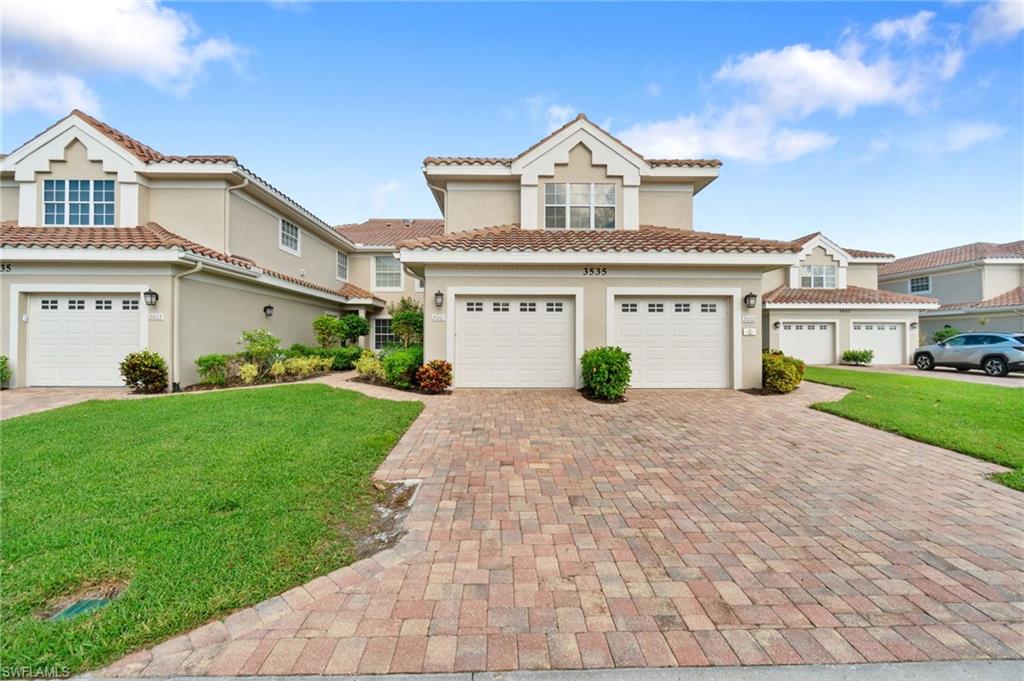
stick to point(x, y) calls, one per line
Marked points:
point(1019, 339)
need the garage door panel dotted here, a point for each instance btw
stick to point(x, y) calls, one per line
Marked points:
point(80, 339)
point(886, 339)
point(812, 342)
point(672, 343)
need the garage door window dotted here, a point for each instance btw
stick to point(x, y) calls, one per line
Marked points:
point(48, 304)
point(527, 307)
point(104, 305)
point(554, 307)
point(655, 307)
point(629, 307)
point(682, 307)
point(76, 304)
point(709, 307)
point(474, 307)
point(129, 304)
point(499, 307)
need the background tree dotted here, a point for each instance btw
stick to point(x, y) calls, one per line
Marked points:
point(407, 321)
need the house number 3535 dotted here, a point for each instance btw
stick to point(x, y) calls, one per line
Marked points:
point(595, 271)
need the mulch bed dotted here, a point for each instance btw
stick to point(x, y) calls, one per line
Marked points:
point(418, 391)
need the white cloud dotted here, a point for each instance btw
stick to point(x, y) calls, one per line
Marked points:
point(654, 89)
point(964, 135)
point(997, 22)
point(545, 111)
point(913, 28)
point(53, 93)
point(385, 194)
point(876, 148)
point(71, 39)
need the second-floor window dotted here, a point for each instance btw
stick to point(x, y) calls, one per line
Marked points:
point(342, 266)
point(818, 276)
point(78, 202)
point(289, 237)
point(387, 272)
point(579, 205)
point(920, 284)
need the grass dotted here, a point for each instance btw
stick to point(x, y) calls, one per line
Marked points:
point(201, 503)
point(983, 421)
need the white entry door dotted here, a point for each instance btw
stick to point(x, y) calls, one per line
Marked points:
point(886, 339)
point(514, 342)
point(80, 339)
point(813, 342)
point(676, 342)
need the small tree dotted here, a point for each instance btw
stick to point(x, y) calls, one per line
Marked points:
point(327, 330)
point(259, 344)
point(944, 333)
point(352, 327)
point(407, 321)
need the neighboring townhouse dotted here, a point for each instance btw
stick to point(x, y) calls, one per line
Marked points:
point(376, 266)
point(980, 286)
point(109, 246)
point(580, 242)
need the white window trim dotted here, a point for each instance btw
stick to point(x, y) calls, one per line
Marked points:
point(835, 276)
point(66, 203)
point(455, 292)
point(591, 205)
point(373, 331)
point(337, 266)
point(733, 294)
point(373, 274)
point(910, 287)
point(280, 237)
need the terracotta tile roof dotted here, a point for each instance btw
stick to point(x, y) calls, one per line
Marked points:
point(854, 252)
point(143, 152)
point(646, 239)
point(957, 255)
point(1012, 298)
point(390, 231)
point(148, 236)
point(851, 295)
point(507, 161)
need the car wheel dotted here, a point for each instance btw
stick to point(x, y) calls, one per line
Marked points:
point(995, 366)
point(924, 362)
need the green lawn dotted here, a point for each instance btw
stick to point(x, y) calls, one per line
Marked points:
point(202, 503)
point(983, 421)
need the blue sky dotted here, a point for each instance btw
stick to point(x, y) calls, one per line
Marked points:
point(892, 126)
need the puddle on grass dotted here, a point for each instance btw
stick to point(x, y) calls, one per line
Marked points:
point(84, 601)
point(388, 523)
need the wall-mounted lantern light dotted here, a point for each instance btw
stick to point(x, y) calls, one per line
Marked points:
point(439, 299)
point(776, 325)
point(750, 300)
point(268, 310)
point(151, 297)
point(913, 325)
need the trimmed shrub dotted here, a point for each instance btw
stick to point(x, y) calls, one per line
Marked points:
point(945, 333)
point(435, 376)
point(861, 357)
point(368, 366)
point(606, 372)
point(248, 373)
point(352, 327)
point(144, 372)
point(400, 366)
point(277, 370)
point(780, 373)
point(213, 368)
point(342, 358)
point(259, 345)
point(304, 367)
point(331, 331)
point(5, 371)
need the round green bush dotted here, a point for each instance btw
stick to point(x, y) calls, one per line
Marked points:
point(606, 372)
point(144, 372)
point(400, 366)
point(780, 373)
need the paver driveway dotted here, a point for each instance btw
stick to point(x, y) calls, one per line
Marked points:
point(680, 528)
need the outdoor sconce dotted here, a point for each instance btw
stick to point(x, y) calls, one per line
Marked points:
point(750, 300)
point(439, 299)
point(268, 310)
point(776, 325)
point(150, 297)
point(913, 325)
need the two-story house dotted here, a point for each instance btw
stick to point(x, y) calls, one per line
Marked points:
point(580, 241)
point(980, 286)
point(109, 246)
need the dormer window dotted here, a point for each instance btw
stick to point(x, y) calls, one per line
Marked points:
point(78, 202)
point(579, 205)
point(818, 276)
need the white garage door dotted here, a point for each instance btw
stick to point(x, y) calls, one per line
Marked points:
point(514, 342)
point(886, 339)
point(80, 339)
point(813, 342)
point(676, 342)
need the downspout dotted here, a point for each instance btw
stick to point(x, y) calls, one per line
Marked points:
point(444, 192)
point(227, 213)
point(176, 324)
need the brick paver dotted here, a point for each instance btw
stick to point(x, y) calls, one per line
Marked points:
point(679, 528)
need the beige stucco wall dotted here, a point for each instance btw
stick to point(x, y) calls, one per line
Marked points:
point(471, 205)
point(194, 210)
point(865, 276)
point(774, 279)
point(216, 309)
point(819, 256)
point(1002, 322)
point(75, 166)
point(580, 169)
point(595, 299)
point(360, 273)
point(959, 286)
point(666, 205)
point(156, 277)
point(998, 279)
point(9, 202)
point(843, 319)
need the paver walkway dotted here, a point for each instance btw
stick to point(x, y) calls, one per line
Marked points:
point(680, 528)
